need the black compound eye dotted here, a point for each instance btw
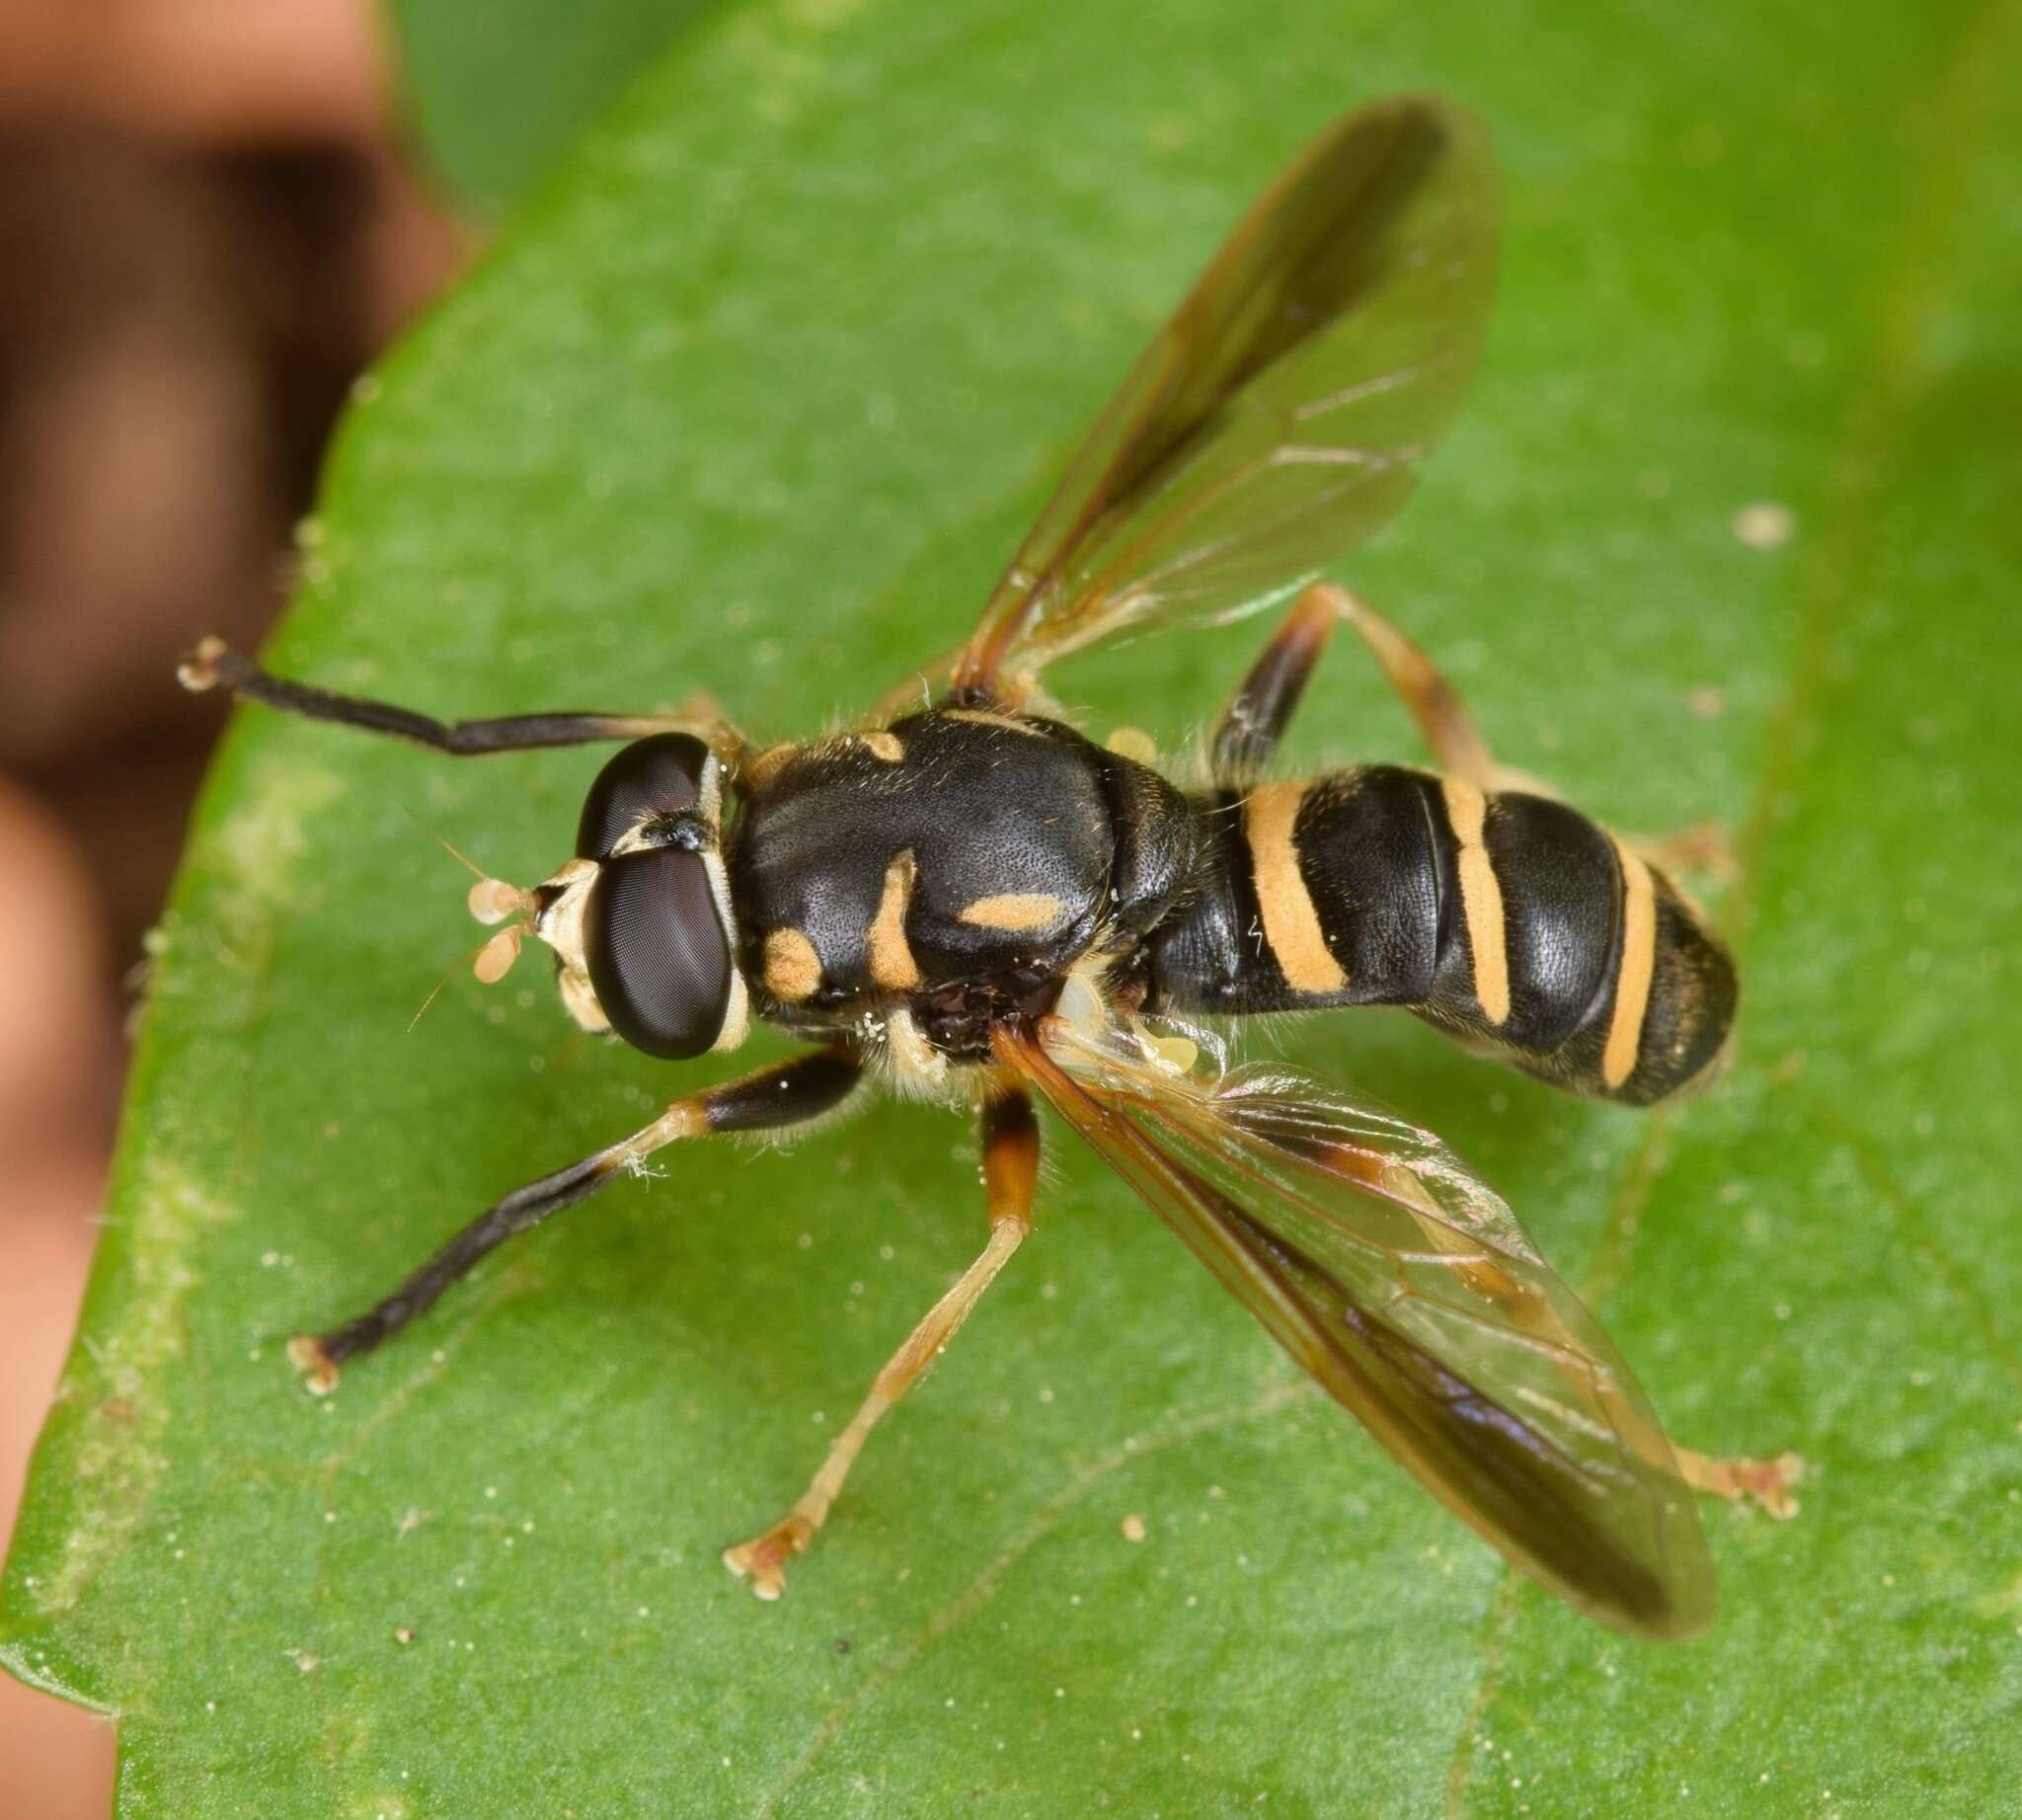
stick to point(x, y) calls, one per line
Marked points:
point(658, 776)
point(658, 952)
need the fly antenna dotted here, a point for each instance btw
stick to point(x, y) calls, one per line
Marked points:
point(491, 960)
point(436, 992)
point(490, 900)
point(462, 859)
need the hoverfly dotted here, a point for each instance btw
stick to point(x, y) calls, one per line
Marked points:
point(974, 901)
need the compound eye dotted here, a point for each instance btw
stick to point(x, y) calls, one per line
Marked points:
point(657, 776)
point(656, 951)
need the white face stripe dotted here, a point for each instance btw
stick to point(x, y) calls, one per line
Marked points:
point(736, 1010)
point(561, 926)
point(1638, 968)
point(580, 1001)
point(1291, 925)
point(1481, 899)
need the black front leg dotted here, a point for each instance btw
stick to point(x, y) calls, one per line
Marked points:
point(214, 664)
point(788, 1093)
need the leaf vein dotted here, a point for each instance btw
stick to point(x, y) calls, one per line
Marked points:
point(980, 1590)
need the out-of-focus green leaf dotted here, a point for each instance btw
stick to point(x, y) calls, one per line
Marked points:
point(758, 402)
point(499, 90)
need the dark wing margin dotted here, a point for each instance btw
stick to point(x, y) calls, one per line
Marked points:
point(1272, 424)
point(1405, 1288)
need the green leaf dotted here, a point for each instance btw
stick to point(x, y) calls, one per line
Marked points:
point(499, 91)
point(758, 399)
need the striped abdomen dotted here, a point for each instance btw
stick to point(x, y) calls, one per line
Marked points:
point(1506, 919)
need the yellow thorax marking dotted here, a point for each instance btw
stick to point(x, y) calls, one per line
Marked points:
point(793, 970)
point(1013, 909)
point(892, 964)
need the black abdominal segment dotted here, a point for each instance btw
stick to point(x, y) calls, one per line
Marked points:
point(1506, 919)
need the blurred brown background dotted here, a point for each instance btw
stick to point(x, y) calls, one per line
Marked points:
point(207, 228)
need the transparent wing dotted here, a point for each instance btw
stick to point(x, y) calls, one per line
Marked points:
point(1273, 423)
point(1406, 1286)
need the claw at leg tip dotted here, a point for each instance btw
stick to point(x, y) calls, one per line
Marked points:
point(318, 1368)
point(198, 670)
point(1784, 1471)
point(1769, 1482)
point(747, 1561)
point(763, 1560)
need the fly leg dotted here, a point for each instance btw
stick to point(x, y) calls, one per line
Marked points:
point(787, 1092)
point(1701, 846)
point(1448, 726)
point(1767, 1482)
point(1257, 716)
point(213, 665)
point(1261, 708)
point(1010, 1174)
point(1459, 747)
point(1259, 712)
